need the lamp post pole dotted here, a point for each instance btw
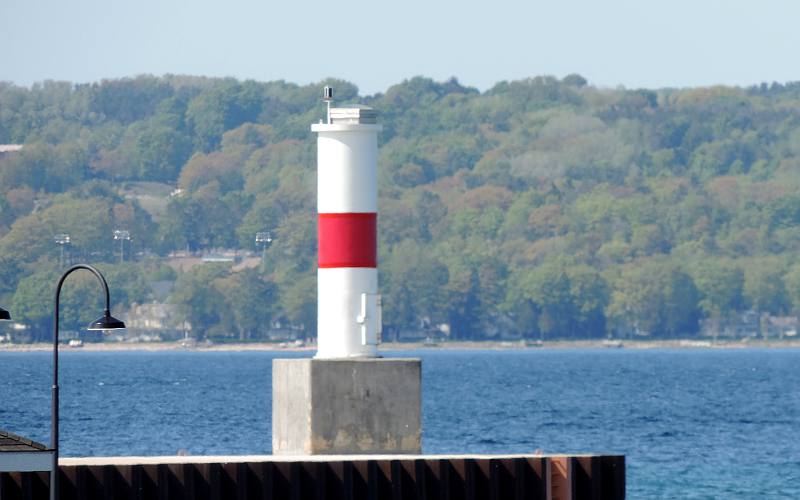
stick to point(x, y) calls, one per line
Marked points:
point(106, 322)
point(122, 236)
point(265, 239)
point(62, 240)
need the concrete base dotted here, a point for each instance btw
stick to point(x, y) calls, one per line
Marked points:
point(346, 406)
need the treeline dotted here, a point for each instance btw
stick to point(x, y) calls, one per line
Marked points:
point(540, 208)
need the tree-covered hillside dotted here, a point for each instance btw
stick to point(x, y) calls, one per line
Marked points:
point(540, 207)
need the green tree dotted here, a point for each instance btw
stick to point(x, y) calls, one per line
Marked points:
point(33, 303)
point(764, 288)
point(792, 284)
point(202, 303)
point(159, 152)
point(202, 219)
point(222, 108)
point(546, 291)
point(411, 283)
point(253, 301)
point(298, 296)
point(721, 286)
point(127, 283)
point(88, 221)
point(590, 294)
point(654, 298)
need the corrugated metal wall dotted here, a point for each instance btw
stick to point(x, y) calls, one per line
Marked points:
point(533, 477)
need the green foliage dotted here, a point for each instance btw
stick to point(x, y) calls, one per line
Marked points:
point(792, 284)
point(654, 298)
point(411, 282)
point(298, 295)
point(253, 300)
point(127, 283)
point(720, 284)
point(33, 302)
point(197, 292)
point(764, 286)
point(130, 99)
point(539, 208)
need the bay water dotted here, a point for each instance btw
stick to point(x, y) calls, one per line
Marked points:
point(702, 423)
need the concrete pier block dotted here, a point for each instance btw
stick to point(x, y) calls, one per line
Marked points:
point(346, 406)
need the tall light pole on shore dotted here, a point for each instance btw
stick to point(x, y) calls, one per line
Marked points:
point(122, 236)
point(62, 240)
point(264, 238)
point(105, 322)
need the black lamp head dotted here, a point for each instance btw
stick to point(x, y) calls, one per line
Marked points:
point(4, 315)
point(106, 322)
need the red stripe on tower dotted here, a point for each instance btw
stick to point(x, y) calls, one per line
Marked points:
point(347, 240)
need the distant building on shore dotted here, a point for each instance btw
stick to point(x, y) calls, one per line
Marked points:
point(7, 149)
point(164, 320)
point(750, 324)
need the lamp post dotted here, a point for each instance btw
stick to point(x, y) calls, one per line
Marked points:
point(62, 240)
point(264, 238)
point(122, 236)
point(105, 322)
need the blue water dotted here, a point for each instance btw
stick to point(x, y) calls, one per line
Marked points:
point(692, 423)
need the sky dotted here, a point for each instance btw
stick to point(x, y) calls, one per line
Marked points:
point(376, 43)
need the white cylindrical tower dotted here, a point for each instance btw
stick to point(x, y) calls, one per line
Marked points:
point(348, 304)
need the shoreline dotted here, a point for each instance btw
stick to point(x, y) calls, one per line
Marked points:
point(411, 346)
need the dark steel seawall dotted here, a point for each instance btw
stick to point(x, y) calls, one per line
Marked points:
point(318, 477)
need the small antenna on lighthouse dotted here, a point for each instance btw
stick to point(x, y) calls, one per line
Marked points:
point(327, 96)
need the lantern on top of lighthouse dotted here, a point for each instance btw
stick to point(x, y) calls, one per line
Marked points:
point(348, 303)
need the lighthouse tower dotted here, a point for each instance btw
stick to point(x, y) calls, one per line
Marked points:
point(348, 306)
point(347, 399)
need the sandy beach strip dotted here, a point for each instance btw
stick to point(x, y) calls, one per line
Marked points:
point(410, 346)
